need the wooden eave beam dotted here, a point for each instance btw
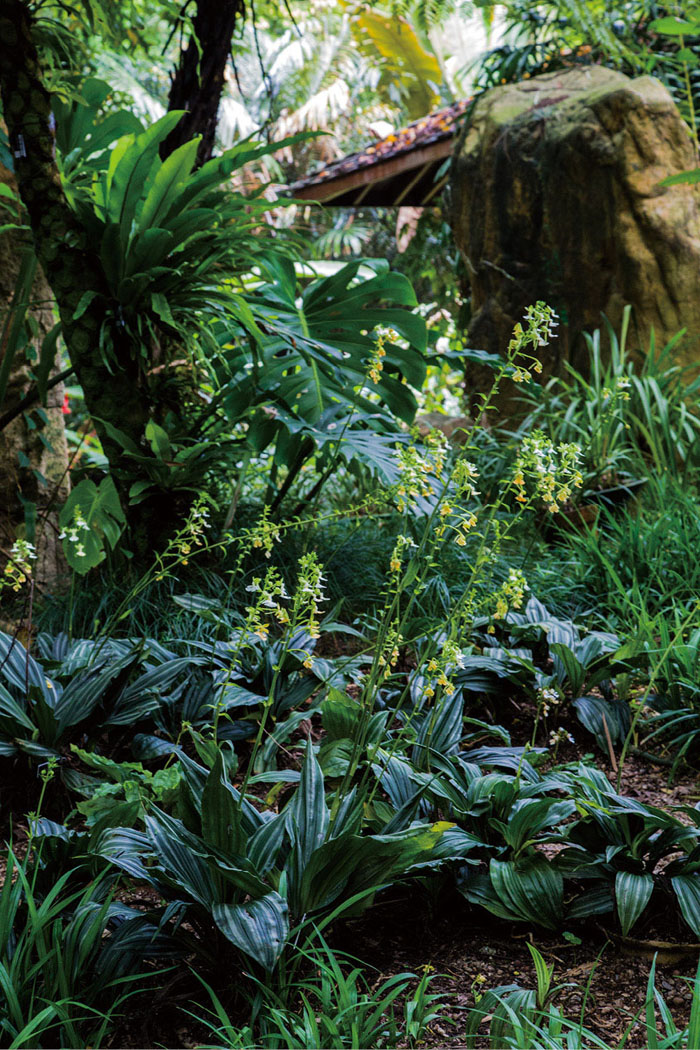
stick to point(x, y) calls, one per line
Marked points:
point(325, 190)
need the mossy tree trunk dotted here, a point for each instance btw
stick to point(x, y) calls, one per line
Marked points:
point(75, 274)
point(33, 448)
point(117, 396)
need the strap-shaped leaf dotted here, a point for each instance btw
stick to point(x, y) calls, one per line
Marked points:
point(20, 669)
point(221, 818)
point(259, 928)
point(398, 777)
point(632, 893)
point(349, 817)
point(340, 715)
point(145, 747)
point(597, 899)
point(162, 195)
point(694, 1020)
point(352, 864)
point(128, 850)
point(478, 889)
point(13, 716)
point(180, 860)
point(142, 696)
point(307, 813)
point(267, 848)
point(130, 165)
point(96, 686)
point(532, 816)
point(567, 666)
point(218, 170)
point(596, 713)
point(687, 890)
point(441, 729)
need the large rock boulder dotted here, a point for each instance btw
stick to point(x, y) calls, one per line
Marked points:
point(555, 195)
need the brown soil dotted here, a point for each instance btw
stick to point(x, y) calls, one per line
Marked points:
point(463, 945)
point(471, 952)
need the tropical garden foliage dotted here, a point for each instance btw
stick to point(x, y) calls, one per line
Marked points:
point(305, 668)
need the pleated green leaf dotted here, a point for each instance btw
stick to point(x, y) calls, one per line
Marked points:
point(307, 813)
point(221, 819)
point(531, 889)
point(259, 928)
point(632, 893)
point(687, 890)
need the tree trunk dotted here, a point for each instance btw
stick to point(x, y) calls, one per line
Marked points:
point(199, 78)
point(75, 274)
point(117, 395)
point(39, 445)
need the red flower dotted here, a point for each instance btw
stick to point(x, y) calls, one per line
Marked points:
point(65, 409)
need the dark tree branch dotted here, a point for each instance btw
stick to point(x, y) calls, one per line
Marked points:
point(199, 78)
point(31, 398)
point(266, 80)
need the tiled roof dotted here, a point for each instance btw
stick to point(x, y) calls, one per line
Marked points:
point(422, 133)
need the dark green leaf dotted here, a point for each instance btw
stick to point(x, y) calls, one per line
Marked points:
point(632, 893)
point(259, 928)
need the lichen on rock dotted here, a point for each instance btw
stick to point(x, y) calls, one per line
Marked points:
point(555, 196)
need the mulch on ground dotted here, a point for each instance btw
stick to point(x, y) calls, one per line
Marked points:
point(471, 951)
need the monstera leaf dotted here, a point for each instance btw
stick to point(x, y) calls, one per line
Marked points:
point(323, 337)
point(90, 518)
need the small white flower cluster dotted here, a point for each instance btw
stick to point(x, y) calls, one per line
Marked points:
point(265, 534)
point(376, 361)
point(618, 392)
point(310, 594)
point(463, 477)
point(416, 467)
point(450, 659)
point(19, 565)
point(557, 736)
point(72, 532)
point(553, 469)
point(452, 655)
point(460, 521)
point(403, 543)
point(510, 594)
point(548, 698)
point(388, 658)
point(193, 530)
point(198, 520)
point(540, 321)
point(270, 592)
